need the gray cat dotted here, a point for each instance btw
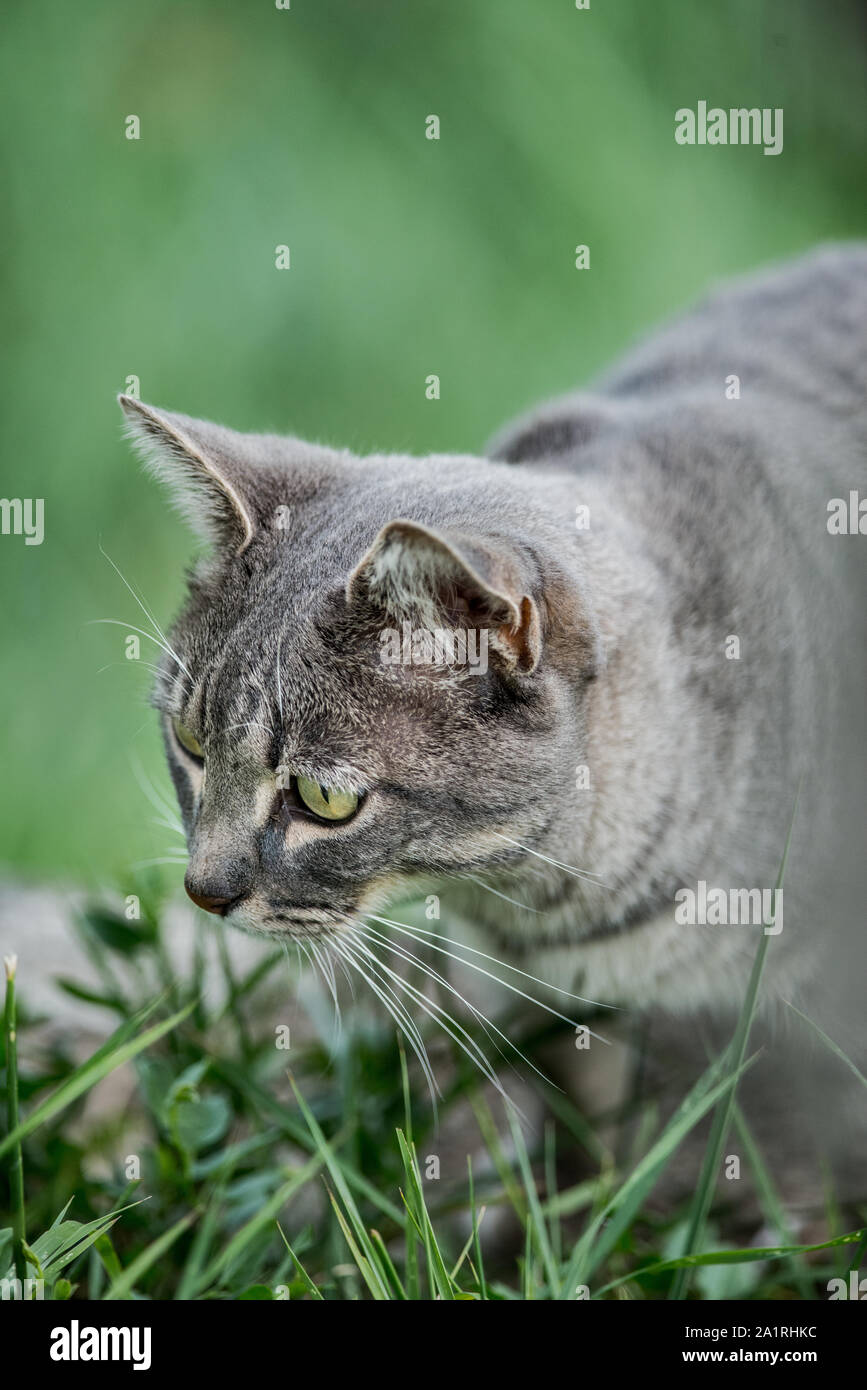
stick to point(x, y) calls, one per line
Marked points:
point(666, 580)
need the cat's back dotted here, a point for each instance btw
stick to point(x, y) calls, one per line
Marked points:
point(784, 350)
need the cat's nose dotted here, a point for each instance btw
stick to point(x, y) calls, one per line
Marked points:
point(211, 903)
point(219, 892)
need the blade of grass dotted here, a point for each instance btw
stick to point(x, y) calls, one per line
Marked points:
point(437, 1271)
point(16, 1163)
point(107, 1253)
point(534, 1215)
point(327, 1155)
point(250, 1090)
point(616, 1215)
point(477, 1245)
point(551, 1191)
point(572, 1199)
point(730, 1257)
point(723, 1117)
point(308, 1283)
point(370, 1276)
point(123, 1286)
point(527, 1268)
point(410, 1241)
point(829, 1042)
point(263, 1217)
point(65, 1241)
point(207, 1227)
point(389, 1264)
point(488, 1130)
point(769, 1197)
point(104, 1061)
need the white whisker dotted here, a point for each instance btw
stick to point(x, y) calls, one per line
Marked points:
point(558, 863)
point(149, 863)
point(399, 1014)
point(436, 936)
point(167, 815)
point(497, 894)
point(247, 724)
point(327, 974)
point(443, 1019)
point(116, 622)
point(279, 679)
point(144, 608)
point(486, 1023)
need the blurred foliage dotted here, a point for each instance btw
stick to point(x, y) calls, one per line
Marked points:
point(261, 126)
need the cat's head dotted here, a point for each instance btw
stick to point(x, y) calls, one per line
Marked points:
point(372, 685)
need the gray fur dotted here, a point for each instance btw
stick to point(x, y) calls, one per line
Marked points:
point(707, 519)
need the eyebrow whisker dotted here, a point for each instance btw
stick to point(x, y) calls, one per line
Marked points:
point(143, 606)
point(130, 627)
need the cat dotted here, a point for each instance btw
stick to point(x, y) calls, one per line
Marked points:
point(674, 676)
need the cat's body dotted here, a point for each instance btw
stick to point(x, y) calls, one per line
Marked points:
point(709, 515)
point(618, 730)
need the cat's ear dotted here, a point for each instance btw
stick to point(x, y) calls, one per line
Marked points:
point(203, 472)
point(438, 579)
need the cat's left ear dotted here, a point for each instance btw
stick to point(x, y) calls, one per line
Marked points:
point(203, 466)
point(436, 579)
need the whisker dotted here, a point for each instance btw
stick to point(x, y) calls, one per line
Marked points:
point(442, 1018)
point(349, 980)
point(168, 817)
point(279, 678)
point(327, 975)
point(313, 965)
point(138, 663)
point(301, 945)
point(497, 894)
point(437, 936)
point(579, 873)
point(486, 1023)
point(149, 863)
point(247, 724)
point(164, 641)
point(166, 825)
point(345, 949)
point(401, 1017)
point(130, 627)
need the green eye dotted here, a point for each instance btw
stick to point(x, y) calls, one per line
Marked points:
point(187, 740)
point(327, 802)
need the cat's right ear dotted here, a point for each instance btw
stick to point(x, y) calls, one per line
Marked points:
point(200, 467)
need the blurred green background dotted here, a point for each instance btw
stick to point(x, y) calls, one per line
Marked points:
point(155, 258)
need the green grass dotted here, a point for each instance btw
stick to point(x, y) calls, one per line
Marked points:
point(255, 1182)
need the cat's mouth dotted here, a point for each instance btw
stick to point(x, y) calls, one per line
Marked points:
point(283, 920)
point(281, 924)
